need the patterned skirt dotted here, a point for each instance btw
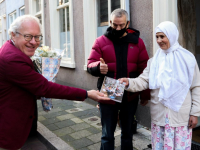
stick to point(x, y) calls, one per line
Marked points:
point(170, 138)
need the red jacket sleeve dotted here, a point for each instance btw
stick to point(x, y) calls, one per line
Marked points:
point(21, 73)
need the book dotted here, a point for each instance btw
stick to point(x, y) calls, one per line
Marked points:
point(113, 89)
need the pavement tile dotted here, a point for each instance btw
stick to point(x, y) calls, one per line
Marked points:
point(49, 121)
point(97, 125)
point(67, 138)
point(77, 120)
point(41, 118)
point(95, 137)
point(93, 130)
point(52, 127)
point(84, 142)
point(95, 146)
point(55, 114)
point(40, 113)
point(73, 110)
point(66, 107)
point(85, 148)
point(93, 119)
point(118, 132)
point(84, 106)
point(65, 123)
point(64, 117)
point(87, 113)
point(117, 141)
point(80, 134)
point(63, 131)
point(80, 126)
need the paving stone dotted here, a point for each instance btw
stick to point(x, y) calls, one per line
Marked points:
point(80, 134)
point(66, 107)
point(77, 120)
point(118, 132)
point(63, 131)
point(95, 146)
point(93, 119)
point(67, 138)
point(41, 118)
point(87, 113)
point(97, 125)
point(40, 113)
point(140, 142)
point(84, 106)
point(118, 141)
point(94, 130)
point(52, 127)
point(67, 116)
point(84, 142)
point(80, 126)
point(85, 148)
point(55, 114)
point(95, 137)
point(73, 110)
point(65, 123)
point(49, 121)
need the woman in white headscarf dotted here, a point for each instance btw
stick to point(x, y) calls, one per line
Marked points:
point(174, 79)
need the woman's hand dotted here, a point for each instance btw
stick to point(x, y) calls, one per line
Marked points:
point(124, 80)
point(193, 121)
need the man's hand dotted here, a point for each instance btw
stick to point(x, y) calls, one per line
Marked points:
point(103, 66)
point(143, 102)
point(193, 121)
point(124, 80)
point(97, 96)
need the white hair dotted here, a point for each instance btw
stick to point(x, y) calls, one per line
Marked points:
point(119, 13)
point(16, 25)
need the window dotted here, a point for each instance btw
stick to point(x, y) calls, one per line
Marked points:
point(62, 36)
point(36, 9)
point(96, 19)
point(104, 9)
point(22, 11)
point(12, 17)
point(0, 25)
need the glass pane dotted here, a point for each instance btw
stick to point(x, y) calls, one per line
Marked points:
point(102, 12)
point(0, 25)
point(62, 30)
point(22, 12)
point(68, 34)
point(38, 5)
point(115, 4)
point(14, 16)
point(61, 2)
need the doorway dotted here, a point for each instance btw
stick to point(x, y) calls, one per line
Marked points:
point(189, 22)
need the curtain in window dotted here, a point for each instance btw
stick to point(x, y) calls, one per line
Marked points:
point(187, 22)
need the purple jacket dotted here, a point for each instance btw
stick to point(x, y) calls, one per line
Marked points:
point(19, 86)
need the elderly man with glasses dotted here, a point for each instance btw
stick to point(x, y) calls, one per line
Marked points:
point(20, 84)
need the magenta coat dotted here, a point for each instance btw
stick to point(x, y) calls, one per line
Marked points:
point(19, 86)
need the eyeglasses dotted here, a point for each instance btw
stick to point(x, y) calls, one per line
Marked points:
point(29, 37)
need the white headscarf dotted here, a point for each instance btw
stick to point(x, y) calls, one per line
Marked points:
point(171, 70)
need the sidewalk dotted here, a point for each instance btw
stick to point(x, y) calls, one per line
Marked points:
point(76, 125)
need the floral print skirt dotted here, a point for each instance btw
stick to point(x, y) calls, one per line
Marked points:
point(170, 138)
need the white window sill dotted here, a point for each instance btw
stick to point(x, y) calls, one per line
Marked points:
point(67, 64)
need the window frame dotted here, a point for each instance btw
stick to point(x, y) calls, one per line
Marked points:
point(11, 15)
point(32, 11)
point(20, 10)
point(163, 11)
point(91, 22)
point(55, 26)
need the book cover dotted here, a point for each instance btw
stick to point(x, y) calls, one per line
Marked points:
point(113, 89)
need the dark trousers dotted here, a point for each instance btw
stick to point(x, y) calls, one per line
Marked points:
point(33, 131)
point(109, 117)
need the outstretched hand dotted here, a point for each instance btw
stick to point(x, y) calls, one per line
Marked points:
point(103, 66)
point(124, 80)
point(99, 97)
point(193, 121)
